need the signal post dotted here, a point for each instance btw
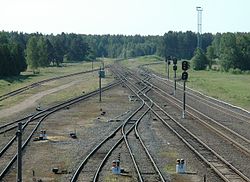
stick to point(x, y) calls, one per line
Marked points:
point(184, 77)
point(174, 68)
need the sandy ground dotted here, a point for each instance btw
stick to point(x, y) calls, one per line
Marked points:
point(31, 101)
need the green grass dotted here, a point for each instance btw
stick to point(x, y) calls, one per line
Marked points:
point(171, 155)
point(87, 84)
point(83, 84)
point(228, 87)
point(12, 83)
point(132, 63)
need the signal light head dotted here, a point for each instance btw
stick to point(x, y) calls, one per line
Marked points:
point(185, 65)
point(184, 76)
point(175, 61)
point(174, 67)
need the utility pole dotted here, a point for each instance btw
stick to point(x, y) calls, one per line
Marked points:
point(199, 27)
point(19, 152)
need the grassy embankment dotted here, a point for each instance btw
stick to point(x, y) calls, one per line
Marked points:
point(27, 78)
point(228, 87)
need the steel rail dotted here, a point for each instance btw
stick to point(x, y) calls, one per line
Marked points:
point(59, 107)
point(85, 160)
point(237, 144)
point(124, 138)
point(20, 90)
point(212, 164)
point(209, 103)
point(137, 133)
point(229, 138)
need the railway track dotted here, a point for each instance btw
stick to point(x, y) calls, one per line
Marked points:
point(223, 168)
point(235, 138)
point(91, 166)
point(242, 142)
point(217, 105)
point(8, 153)
point(128, 134)
point(33, 85)
point(146, 170)
point(143, 161)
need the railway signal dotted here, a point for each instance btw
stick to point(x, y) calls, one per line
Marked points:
point(184, 77)
point(174, 68)
point(100, 84)
point(19, 152)
point(167, 60)
point(175, 61)
point(185, 65)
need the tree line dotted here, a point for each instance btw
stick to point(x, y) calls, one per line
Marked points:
point(230, 51)
point(21, 50)
point(182, 44)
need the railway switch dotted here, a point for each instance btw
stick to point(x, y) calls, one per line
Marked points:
point(180, 166)
point(73, 135)
point(116, 167)
point(43, 135)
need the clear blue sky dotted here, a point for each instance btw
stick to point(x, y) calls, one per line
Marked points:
point(145, 17)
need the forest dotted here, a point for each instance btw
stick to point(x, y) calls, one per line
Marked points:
point(19, 51)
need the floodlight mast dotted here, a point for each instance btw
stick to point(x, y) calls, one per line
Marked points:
point(199, 26)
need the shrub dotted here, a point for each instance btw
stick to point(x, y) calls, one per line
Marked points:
point(236, 71)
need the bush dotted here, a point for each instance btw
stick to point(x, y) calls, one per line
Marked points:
point(236, 71)
point(247, 72)
point(199, 61)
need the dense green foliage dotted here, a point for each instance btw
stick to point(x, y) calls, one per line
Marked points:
point(233, 50)
point(17, 50)
point(199, 61)
point(11, 56)
point(182, 44)
point(121, 46)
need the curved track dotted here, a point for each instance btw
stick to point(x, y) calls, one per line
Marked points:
point(36, 84)
point(95, 160)
point(8, 153)
point(223, 168)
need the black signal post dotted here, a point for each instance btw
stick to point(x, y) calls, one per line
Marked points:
point(101, 75)
point(184, 77)
point(100, 85)
point(167, 60)
point(175, 68)
point(19, 152)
